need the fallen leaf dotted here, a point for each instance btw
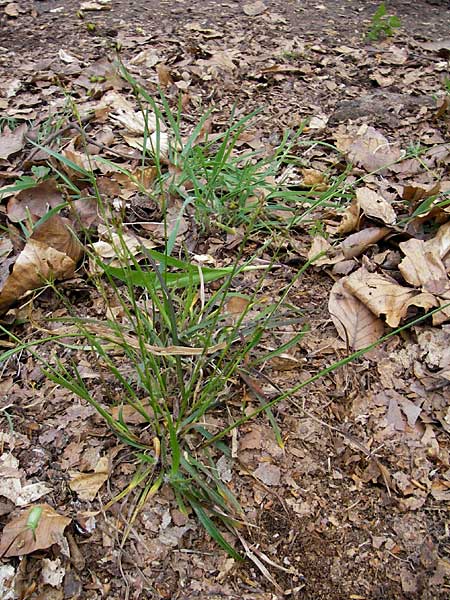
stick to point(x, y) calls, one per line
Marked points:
point(423, 268)
point(236, 306)
point(51, 252)
point(12, 485)
point(12, 9)
point(52, 572)
point(254, 9)
point(35, 201)
point(18, 539)
point(321, 245)
point(268, 473)
point(354, 322)
point(87, 485)
point(11, 141)
point(385, 296)
point(7, 577)
point(375, 206)
point(350, 218)
point(356, 243)
point(367, 148)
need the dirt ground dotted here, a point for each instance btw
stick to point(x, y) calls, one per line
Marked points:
point(335, 521)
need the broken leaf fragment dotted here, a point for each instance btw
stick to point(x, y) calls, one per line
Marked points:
point(11, 141)
point(367, 148)
point(375, 206)
point(384, 296)
point(19, 538)
point(87, 485)
point(52, 252)
point(354, 322)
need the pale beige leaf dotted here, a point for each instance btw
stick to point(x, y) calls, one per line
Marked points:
point(367, 148)
point(375, 206)
point(354, 322)
point(87, 485)
point(12, 141)
point(356, 243)
point(254, 9)
point(423, 268)
point(18, 539)
point(384, 296)
point(52, 252)
point(350, 218)
point(330, 256)
point(153, 143)
point(35, 201)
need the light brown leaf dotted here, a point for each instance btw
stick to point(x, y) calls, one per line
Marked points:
point(374, 205)
point(52, 252)
point(356, 243)
point(367, 148)
point(354, 322)
point(18, 539)
point(87, 485)
point(35, 201)
point(254, 9)
point(423, 268)
point(12, 141)
point(350, 218)
point(384, 296)
point(331, 255)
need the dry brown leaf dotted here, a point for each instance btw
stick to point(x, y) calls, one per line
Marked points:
point(87, 485)
point(331, 255)
point(356, 243)
point(423, 268)
point(12, 141)
point(35, 201)
point(354, 322)
point(236, 305)
point(164, 76)
point(51, 252)
point(367, 148)
point(254, 9)
point(350, 218)
point(375, 206)
point(384, 296)
point(18, 538)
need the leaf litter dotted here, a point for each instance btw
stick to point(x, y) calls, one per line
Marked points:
point(321, 505)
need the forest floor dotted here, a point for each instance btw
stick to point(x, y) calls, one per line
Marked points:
point(354, 503)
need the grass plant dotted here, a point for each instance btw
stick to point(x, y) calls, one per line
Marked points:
point(167, 347)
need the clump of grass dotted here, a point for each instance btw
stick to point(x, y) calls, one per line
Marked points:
point(167, 347)
point(382, 25)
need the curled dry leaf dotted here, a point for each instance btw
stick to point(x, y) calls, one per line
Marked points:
point(12, 141)
point(375, 206)
point(384, 296)
point(354, 322)
point(87, 485)
point(254, 9)
point(35, 201)
point(423, 268)
point(19, 538)
point(331, 255)
point(52, 252)
point(367, 148)
point(356, 243)
point(156, 143)
point(350, 218)
point(135, 122)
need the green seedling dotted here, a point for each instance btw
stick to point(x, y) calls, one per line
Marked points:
point(33, 520)
point(382, 24)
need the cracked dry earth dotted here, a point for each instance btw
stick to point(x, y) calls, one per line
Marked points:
point(355, 506)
